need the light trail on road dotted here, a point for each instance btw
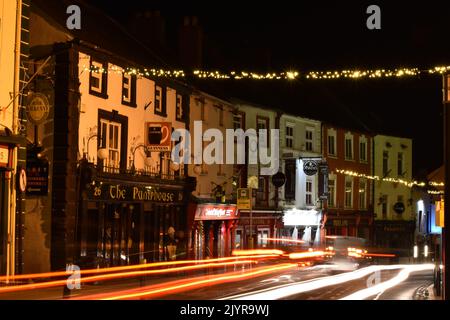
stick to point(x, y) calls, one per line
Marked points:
point(188, 284)
point(284, 291)
point(381, 287)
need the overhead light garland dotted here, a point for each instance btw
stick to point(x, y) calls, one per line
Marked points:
point(406, 183)
point(286, 75)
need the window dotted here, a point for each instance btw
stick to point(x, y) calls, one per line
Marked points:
point(362, 194)
point(331, 192)
point(363, 149)
point(220, 117)
point(348, 192)
point(384, 206)
point(289, 187)
point(129, 90)
point(349, 147)
point(308, 193)
point(158, 100)
point(263, 190)
point(262, 123)
point(385, 163)
point(98, 79)
point(110, 133)
point(237, 121)
point(179, 107)
point(400, 164)
point(289, 137)
point(331, 145)
point(309, 140)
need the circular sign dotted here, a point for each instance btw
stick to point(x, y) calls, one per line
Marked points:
point(399, 207)
point(310, 167)
point(38, 108)
point(23, 180)
point(279, 179)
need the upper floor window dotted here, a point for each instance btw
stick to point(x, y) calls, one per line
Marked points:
point(400, 167)
point(309, 193)
point(289, 137)
point(158, 100)
point(309, 140)
point(129, 90)
point(263, 123)
point(179, 107)
point(110, 133)
point(98, 79)
point(363, 149)
point(331, 192)
point(331, 143)
point(384, 206)
point(385, 163)
point(348, 192)
point(348, 147)
point(237, 121)
point(362, 194)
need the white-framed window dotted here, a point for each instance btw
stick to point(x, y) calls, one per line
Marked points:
point(96, 77)
point(289, 136)
point(348, 147)
point(348, 203)
point(400, 164)
point(309, 193)
point(362, 194)
point(363, 149)
point(158, 99)
point(111, 140)
point(385, 163)
point(237, 121)
point(262, 123)
point(309, 139)
point(179, 107)
point(332, 191)
point(331, 142)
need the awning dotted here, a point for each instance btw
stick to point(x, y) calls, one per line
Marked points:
point(297, 217)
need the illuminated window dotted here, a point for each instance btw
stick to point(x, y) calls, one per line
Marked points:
point(331, 192)
point(362, 194)
point(348, 192)
point(110, 133)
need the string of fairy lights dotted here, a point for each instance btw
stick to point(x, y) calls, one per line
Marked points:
point(406, 183)
point(285, 75)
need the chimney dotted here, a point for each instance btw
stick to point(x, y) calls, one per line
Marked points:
point(150, 28)
point(191, 43)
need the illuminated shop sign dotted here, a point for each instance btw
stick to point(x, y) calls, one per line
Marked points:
point(216, 212)
point(120, 192)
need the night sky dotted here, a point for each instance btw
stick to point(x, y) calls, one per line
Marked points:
point(325, 35)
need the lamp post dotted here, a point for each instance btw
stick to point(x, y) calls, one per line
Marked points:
point(445, 233)
point(148, 160)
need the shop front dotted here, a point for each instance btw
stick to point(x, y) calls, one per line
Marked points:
point(261, 224)
point(304, 225)
point(212, 229)
point(397, 236)
point(349, 225)
point(122, 223)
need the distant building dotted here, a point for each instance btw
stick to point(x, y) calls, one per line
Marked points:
point(348, 154)
point(394, 209)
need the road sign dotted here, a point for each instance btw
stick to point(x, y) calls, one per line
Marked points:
point(244, 199)
point(279, 179)
point(399, 207)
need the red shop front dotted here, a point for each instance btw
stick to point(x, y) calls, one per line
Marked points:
point(212, 230)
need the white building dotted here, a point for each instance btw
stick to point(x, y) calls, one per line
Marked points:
point(300, 142)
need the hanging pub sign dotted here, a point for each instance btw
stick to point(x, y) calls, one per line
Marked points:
point(323, 181)
point(38, 108)
point(399, 207)
point(310, 167)
point(158, 136)
point(37, 178)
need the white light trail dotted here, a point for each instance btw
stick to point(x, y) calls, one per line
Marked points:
point(380, 288)
point(287, 290)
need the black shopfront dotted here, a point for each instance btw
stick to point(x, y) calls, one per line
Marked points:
point(123, 222)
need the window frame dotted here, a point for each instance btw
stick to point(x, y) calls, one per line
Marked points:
point(102, 90)
point(289, 137)
point(351, 156)
point(309, 142)
point(162, 110)
point(331, 134)
point(309, 201)
point(333, 188)
point(351, 180)
point(363, 142)
point(131, 102)
point(362, 204)
point(179, 107)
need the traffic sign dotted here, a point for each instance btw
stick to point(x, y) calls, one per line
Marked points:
point(279, 179)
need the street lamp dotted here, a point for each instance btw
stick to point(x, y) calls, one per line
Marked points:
point(148, 161)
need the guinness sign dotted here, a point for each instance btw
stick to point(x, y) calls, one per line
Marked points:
point(310, 167)
point(38, 108)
